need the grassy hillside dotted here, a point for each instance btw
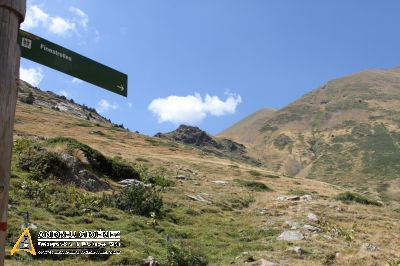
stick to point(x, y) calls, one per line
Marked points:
point(247, 129)
point(245, 208)
point(345, 132)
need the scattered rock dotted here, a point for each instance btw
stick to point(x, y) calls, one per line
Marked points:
point(311, 228)
point(198, 198)
point(249, 259)
point(261, 262)
point(293, 198)
point(291, 224)
point(219, 182)
point(262, 211)
point(369, 247)
point(82, 177)
point(312, 217)
point(150, 261)
point(306, 197)
point(281, 198)
point(90, 181)
point(297, 250)
point(290, 236)
point(31, 226)
point(181, 177)
point(130, 182)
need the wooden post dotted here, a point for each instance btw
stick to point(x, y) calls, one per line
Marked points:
point(12, 13)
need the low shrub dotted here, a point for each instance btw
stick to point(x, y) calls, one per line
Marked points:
point(42, 165)
point(270, 176)
point(236, 202)
point(136, 199)
point(38, 192)
point(253, 185)
point(29, 99)
point(354, 197)
point(254, 173)
point(298, 192)
point(182, 255)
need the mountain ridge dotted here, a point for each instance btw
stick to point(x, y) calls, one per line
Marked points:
point(344, 132)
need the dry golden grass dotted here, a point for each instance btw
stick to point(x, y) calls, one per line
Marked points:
point(377, 225)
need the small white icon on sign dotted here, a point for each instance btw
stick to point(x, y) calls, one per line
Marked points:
point(26, 43)
point(121, 87)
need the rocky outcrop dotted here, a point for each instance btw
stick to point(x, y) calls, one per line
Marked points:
point(198, 138)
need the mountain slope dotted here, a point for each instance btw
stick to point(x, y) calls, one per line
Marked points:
point(345, 132)
point(214, 210)
point(246, 130)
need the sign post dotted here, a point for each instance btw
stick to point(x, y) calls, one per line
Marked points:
point(15, 43)
point(59, 58)
point(12, 13)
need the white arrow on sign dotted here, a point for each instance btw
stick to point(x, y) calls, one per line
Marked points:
point(121, 87)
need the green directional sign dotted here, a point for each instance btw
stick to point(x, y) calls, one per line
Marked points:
point(54, 56)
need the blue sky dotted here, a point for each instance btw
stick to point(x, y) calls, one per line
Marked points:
point(211, 62)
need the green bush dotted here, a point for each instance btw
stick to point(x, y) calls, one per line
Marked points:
point(24, 145)
point(38, 192)
point(298, 192)
point(43, 165)
point(160, 181)
point(29, 99)
point(181, 255)
point(281, 141)
point(270, 176)
point(254, 173)
point(253, 185)
point(354, 197)
point(235, 202)
point(136, 199)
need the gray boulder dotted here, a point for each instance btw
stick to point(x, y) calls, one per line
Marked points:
point(312, 217)
point(297, 250)
point(261, 262)
point(290, 236)
point(369, 247)
point(311, 228)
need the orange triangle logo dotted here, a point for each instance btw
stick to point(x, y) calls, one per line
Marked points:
point(24, 243)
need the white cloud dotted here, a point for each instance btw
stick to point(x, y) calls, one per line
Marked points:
point(82, 17)
point(63, 93)
point(61, 26)
point(104, 106)
point(35, 16)
point(130, 104)
point(76, 81)
point(31, 75)
point(192, 109)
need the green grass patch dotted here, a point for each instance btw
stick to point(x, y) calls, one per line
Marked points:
point(254, 173)
point(253, 185)
point(354, 197)
point(270, 176)
point(298, 192)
